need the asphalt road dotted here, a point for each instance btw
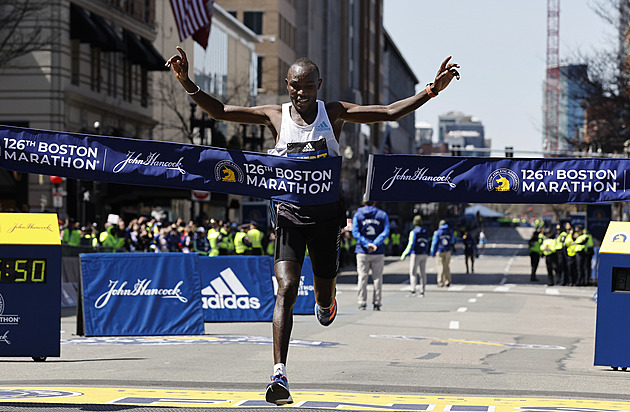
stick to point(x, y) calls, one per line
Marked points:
point(493, 338)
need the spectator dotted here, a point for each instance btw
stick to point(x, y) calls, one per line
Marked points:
point(441, 246)
point(418, 248)
point(470, 251)
point(370, 227)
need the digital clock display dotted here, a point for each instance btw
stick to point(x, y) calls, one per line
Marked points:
point(22, 270)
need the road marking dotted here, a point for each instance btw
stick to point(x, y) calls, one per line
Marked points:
point(190, 340)
point(503, 288)
point(472, 300)
point(462, 309)
point(479, 295)
point(472, 342)
point(454, 324)
point(178, 398)
point(552, 291)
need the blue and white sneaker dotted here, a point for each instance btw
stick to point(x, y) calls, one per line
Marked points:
point(326, 316)
point(278, 390)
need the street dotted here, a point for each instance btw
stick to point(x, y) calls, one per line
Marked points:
point(493, 339)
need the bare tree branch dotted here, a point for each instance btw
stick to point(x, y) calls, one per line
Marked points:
point(21, 29)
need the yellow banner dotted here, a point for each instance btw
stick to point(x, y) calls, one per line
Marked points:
point(29, 229)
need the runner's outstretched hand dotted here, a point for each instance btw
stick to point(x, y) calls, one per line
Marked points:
point(179, 64)
point(445, 74)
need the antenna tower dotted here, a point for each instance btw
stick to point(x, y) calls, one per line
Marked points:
point(552, 81)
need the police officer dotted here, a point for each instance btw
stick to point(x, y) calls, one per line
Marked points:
point(534, 252)
point(256, 237)
point(548, 249)
point(242, 244)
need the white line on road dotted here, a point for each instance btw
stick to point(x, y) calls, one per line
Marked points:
point(472, 300)
point(462, 309)
point(454, 324)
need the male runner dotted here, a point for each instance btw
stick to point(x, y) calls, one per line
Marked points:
point(305, 127)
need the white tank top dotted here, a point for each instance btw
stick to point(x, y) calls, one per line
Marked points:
point(306, 142)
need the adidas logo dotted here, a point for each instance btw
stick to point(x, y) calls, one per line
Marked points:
point(227, 292)
point(308, 148)
point(322, 127)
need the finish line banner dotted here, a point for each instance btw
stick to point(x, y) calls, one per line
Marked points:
point(169, 164)
point(416, 178)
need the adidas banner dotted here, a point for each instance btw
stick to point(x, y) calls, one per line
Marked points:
point(169, 164)
point(237, 288)
point(141, 294)
point(415, 178)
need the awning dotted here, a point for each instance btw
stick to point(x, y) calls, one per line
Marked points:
point(93, 29)
point(141, 51)
point(83, 28)
point(114, 42)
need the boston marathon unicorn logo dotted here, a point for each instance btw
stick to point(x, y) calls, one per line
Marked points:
point(620, 237)
point(227, 171)
point(502, 180)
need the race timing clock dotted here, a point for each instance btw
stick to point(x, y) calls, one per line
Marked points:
point(23, 270)
point(30, 285)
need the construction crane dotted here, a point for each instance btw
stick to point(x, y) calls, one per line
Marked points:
point(552, 81)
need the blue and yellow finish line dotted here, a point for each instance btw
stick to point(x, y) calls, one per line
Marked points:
point(303, 399)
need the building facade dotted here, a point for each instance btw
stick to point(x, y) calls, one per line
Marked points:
point(93, 74)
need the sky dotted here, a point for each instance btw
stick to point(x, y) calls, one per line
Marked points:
point(501, 48)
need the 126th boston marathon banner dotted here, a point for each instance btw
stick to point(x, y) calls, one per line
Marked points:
point(495, 180)
point(168, 164)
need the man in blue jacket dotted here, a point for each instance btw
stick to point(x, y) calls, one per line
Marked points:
point(441, 246)
point(418, 247)
point(370, 227)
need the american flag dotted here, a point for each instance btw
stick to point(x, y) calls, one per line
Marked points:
point(193, 17)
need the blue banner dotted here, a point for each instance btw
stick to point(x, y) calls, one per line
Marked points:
point(237, 288)
point(415, 178)
point(169, 164)
point(141, 294)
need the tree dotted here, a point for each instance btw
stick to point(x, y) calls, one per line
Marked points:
point(22, 28)
point(606, 103)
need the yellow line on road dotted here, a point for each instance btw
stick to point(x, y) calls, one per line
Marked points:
point(304, 399)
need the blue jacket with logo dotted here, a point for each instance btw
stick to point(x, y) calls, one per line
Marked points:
point(418, 242)
point(442, 240)
point(370, 225)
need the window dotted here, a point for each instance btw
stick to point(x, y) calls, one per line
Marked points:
point(253, 20)
point(283, 68)
point(95, 69)
point(259, 73)
point(144, 87)
point(75, 61)
point(127, 80)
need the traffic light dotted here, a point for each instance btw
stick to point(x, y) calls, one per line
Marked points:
point(456, 150)
point(509, 151)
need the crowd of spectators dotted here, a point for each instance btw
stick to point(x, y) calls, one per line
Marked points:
point(156, 235)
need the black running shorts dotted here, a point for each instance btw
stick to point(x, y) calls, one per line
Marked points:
point(323, 247)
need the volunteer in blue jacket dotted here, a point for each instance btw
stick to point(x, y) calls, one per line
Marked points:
point(441, 246)
point(370, 227)
point(418, 248)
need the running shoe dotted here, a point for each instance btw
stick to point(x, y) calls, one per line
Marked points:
point(326, 316)
point(278, 390)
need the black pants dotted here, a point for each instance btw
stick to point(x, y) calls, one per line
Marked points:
point(562, 272)
point(551, 262)
point(534, 258)
point(572, 273)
